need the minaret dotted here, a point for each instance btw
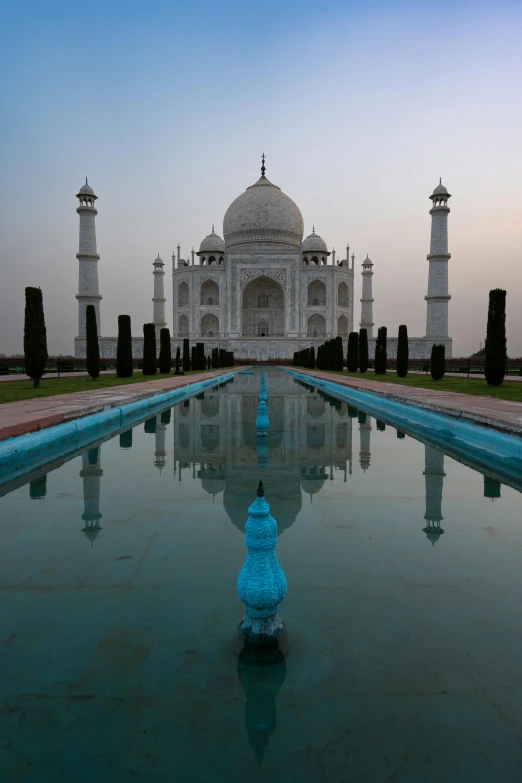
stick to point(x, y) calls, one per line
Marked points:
point(159, 296)
point(367, 298)
point(438, 297)
point(91, 473)
point(434, 479)
point(88, 288)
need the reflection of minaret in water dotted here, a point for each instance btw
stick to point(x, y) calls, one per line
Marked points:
point(365, 428)
point(261, 673)
point(434, 479)
point(91, 473)
point(160, 455)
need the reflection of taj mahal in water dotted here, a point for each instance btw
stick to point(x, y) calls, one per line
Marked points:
point(263, 291)
point(215, 442)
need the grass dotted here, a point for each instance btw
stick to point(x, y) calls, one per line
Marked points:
point(476, 386)
point(12, 391)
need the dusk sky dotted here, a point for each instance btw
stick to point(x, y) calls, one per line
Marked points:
point(360, 107)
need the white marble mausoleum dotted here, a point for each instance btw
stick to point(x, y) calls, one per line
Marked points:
point(263, 291)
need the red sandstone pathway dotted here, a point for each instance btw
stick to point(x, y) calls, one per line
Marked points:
point(17, 418)
point(503, 415)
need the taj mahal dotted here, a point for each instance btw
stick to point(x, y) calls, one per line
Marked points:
point(263, 291)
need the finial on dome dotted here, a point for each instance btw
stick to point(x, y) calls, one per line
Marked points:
point(313, 229)
point(86, 181)
point(263, 168)
point(212, 228)
point(260, 490)
point(440, 180)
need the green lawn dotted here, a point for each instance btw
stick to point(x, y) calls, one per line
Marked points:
point(12, 391)
point(510, 390)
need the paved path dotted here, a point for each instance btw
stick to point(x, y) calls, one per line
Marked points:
point(17, 418)
point(22, 377)
point(503, 415)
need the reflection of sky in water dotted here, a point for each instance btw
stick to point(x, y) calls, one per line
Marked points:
point(119, 612)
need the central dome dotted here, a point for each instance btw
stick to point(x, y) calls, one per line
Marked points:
point(263, 213)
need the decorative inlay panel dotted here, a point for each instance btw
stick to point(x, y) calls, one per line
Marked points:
point(246, 275)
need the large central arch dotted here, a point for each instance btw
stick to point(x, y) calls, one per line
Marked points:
point(263, 308)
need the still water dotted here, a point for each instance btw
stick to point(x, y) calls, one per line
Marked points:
point(119, 658)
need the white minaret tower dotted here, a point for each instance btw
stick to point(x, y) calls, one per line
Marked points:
point(438, 297)
point(367, 298)
point(88, 288)
point(159, 296)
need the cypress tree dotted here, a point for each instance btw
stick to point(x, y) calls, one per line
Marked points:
point(149, 350)
point(381, 356)
point(208, 362)
point(339, 354)
point(186, 355)
point(194, 356)
point(150, 426)
point(202, 362)
point(401, 435)
point(124, 368)
point(496, 354)
point(38, 488)
point(126, 439)
point(177, 363)
point(381, 425)
point(312, 358)
point(438, 361)
point(35, 335)
point(402, 352)
point(93, 347)
point(352, 358)
point(165, 416)
point(361, 417)
point(165, 355)
point(363, 350)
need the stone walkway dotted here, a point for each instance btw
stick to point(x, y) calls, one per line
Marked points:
point(18, 418)
point(503, 415)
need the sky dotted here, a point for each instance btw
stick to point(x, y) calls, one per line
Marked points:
point(360, 107)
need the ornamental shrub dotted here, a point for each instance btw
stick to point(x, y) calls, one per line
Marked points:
point(165, 354)
point(35, 335)
point(124, 368)
point(381, 356)
point(402, 352)
point(496, 353)
point(150, 366)
point(363, 350)
point(438, 361)
point(186, 355)
point(352, 357)
point(93, 347)
point(194, 356)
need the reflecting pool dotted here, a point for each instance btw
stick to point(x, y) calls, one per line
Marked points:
point(120, 659)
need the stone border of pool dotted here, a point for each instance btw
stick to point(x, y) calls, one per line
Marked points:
point(502, 415)
point(22, 453)
point(481, 443)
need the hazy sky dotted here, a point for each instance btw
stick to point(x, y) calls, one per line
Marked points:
point(166, 107)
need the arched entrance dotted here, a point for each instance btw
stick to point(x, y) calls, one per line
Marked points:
point(263, 310)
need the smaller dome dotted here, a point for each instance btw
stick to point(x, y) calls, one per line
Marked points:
point(212, 244)
point(314, 244)
point(158, 260)
point(440, 190)
point(367, 261)
point(86, 190)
